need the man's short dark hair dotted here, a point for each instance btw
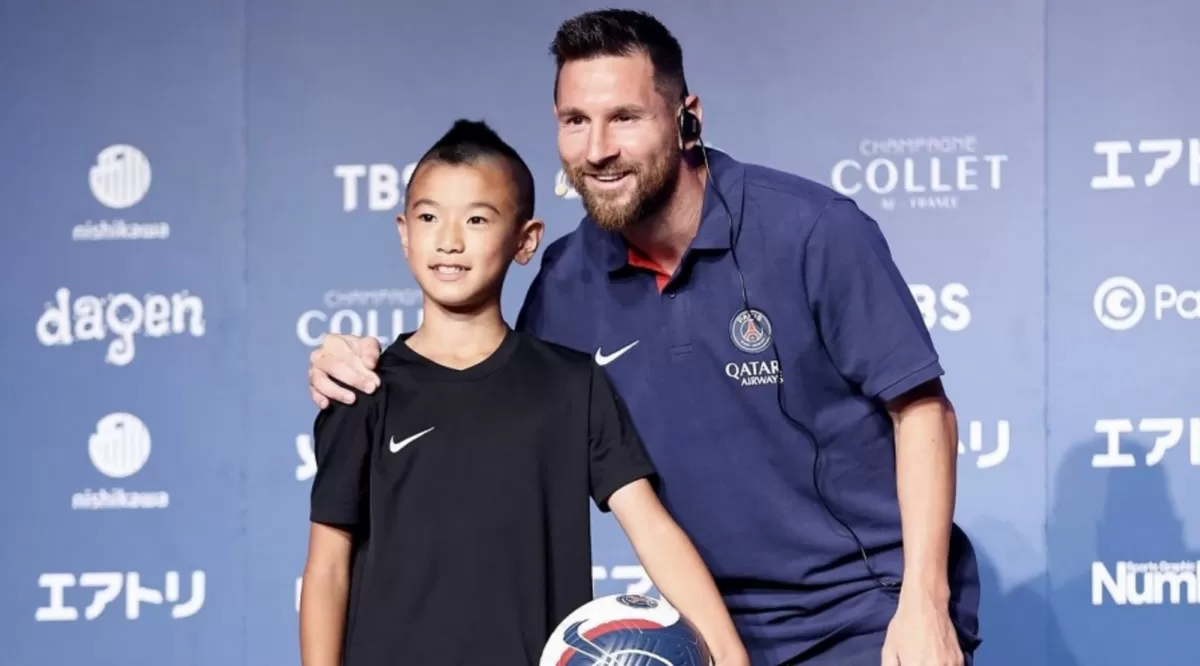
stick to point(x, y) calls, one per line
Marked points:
point(470, 141)
point(622, 32)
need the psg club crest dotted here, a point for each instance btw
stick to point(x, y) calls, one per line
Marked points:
point(750, 331)
point(637, 601)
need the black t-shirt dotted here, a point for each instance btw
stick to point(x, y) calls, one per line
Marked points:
point(467, 492)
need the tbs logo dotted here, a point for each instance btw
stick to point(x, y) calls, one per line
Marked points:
point(383, 185)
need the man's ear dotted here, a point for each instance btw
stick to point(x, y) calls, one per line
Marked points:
point(403, 228)
point(531, 238)
point(692, 103)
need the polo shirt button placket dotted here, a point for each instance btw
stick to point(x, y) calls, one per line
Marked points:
point(678, 331)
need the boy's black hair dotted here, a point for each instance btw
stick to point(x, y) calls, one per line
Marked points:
point(469, 141)
point(622, 32)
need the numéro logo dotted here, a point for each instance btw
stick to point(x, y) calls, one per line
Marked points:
point(1146, 583)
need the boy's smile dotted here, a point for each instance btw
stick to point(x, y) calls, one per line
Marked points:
point(449, 272)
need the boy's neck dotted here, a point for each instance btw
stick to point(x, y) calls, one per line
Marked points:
point(458, 340)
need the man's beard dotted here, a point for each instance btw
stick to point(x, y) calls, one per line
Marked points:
point(654, 185)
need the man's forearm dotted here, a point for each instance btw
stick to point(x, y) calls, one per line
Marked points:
point(926, 459)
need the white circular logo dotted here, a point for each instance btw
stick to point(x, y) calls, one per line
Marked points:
point(120, 446)
point(562, 186)
point(1119, 303)
point(120, 177)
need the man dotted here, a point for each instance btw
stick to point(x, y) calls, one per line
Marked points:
point(701, 284)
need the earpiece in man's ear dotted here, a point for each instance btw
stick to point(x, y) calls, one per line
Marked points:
point(689, 127)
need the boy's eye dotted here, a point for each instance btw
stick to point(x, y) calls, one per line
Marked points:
point(475, 219)
point(425, 217)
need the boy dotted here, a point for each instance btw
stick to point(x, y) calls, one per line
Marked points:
point(450, 517)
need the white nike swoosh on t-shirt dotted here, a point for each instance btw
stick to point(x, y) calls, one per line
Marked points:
point(395, 446)
point(602, 359)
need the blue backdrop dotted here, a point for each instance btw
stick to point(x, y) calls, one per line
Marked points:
point(205, 188)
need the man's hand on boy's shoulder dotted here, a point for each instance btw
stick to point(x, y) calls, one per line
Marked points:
point(347, 359)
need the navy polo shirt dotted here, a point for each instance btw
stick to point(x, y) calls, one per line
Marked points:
point(700, 379)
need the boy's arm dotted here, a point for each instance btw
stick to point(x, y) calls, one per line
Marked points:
point(323, 596)
point(342, 443)
point(621, 482)
point(677, 569)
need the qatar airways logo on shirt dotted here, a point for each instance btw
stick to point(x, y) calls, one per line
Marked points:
point(920, 173)
point(382, 313)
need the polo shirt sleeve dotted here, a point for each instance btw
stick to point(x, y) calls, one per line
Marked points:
point(865, 313)
point(342, 438)
point(617, 455)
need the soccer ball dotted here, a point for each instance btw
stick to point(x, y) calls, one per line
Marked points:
point(625, 630)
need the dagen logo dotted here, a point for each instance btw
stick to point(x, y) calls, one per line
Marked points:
point(118, 319)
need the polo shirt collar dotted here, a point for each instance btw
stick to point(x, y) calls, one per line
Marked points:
point(713, 234)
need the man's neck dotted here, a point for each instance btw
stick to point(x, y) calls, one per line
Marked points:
point(458, 340)
point(666, 236)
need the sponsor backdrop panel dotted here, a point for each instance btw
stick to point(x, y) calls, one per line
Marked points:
point(123, 273)
point(1124, 340)
point(202, 194)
